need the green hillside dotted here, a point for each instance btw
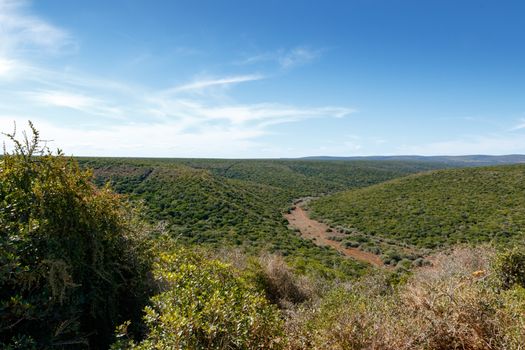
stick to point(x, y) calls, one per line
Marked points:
point(239, 203)
point(301, 178)
point(435, 209)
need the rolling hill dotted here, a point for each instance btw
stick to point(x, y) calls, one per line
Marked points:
point(435, 209)
point(239, 203)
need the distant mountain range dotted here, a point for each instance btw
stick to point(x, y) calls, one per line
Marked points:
point(467, 160)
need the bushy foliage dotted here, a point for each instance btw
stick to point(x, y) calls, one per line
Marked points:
point(510, 268)
point(279, 282)
point(453, 305)
point(436, 209)
point(206, 304)
point(72, 264)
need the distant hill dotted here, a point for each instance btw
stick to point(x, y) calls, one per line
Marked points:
point(467, 160)
point(435, 209)
point(302, 178)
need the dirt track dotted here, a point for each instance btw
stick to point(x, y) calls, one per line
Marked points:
point(311, 229)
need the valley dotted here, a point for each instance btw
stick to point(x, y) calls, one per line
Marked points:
point(322, 235)
point(188, 247)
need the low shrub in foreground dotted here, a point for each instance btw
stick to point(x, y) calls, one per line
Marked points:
point(206, 304)
point(455, 304)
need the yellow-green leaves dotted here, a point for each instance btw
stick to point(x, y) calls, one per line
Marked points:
point(206, 304)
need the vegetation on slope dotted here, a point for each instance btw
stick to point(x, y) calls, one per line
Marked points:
point(197, 207)
point(435, 209)
point(302, 178)
point(459, 303)
point(73, 260)
point(77, 263)
point(239, 203)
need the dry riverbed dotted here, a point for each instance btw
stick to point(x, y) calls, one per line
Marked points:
point(320, 234)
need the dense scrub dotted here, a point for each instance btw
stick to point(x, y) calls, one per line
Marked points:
point(459, 303)
point(436, 209)
point(73, 260)
point(302, 178)
point(239, 203)
point(297, 178)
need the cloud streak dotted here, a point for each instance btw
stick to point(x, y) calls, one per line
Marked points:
point(520, 126)
point(86, 104)
point(217, 82)
point(130, 120)
point(22, 32)
point(286, 59)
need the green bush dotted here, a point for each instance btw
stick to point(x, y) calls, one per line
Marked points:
point(510, 268)
point(71, 265)
point(206, 304)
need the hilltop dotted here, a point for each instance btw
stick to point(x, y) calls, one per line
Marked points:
point(460, 161)
point(435, 209)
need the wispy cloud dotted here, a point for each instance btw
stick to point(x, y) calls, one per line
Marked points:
point(63, 99)
point(24, 36)
point(207, 83)
point(298, 56)
point(144, 139)
point(200, 118)
point(286, 59)
point(260, 114)
point(520, 125)
point(86, 104)
point(21, 31)
point(134, 120)
point(9, 67)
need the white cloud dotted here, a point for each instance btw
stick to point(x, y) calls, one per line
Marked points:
point(21, 31)
point(520, 126)
point(261, 114)
point(8, 67)
point(298, 56)
point(207, 83)
point(63, 99)
point(286, 59)
point(79, 102)
point(152, 123)
point(149, 139)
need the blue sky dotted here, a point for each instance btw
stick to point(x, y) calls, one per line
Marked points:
point(270, 78)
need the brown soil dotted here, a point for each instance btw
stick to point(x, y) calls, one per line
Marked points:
point(318, 232)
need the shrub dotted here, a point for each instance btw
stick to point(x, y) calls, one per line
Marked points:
point(352, 244)
point(451, 305)
point(279, 282)
point(206, 304)
point(510, 268)
point(72, 265)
